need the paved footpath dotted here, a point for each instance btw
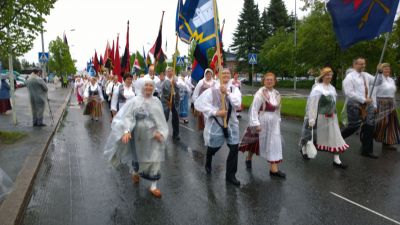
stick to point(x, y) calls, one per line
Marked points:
point(75, 184)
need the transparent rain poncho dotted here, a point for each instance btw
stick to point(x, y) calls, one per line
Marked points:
point(142, 116)
point(6, 185)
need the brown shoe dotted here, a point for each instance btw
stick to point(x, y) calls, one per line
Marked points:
point(156, 193)
point(135, 178)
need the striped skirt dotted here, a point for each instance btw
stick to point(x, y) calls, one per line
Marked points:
point(93, 108)
point(5, 105)
point(387, 128)
point(250, 141)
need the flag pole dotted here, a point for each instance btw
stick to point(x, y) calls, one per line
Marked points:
point(219, 57)
point(174, 65)
point(156, 56)
point(380, 62)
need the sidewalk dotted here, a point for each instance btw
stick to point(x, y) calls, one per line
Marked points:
point(21, 160)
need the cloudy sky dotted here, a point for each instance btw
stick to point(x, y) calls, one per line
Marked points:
point(97, 21)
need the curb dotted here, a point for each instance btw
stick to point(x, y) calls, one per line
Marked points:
point(13, 207)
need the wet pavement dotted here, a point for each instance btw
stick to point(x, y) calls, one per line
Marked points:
point(75, 185)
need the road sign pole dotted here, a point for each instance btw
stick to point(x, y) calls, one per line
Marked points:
point(252, 74)
point(44, 74)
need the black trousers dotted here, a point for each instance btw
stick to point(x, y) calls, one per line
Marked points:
point(175, 118)
point(231, 161)
point(367, 126)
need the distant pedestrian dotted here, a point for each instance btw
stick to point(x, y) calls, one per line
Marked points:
point(263, 136)
point(38, 97)
point(5, 103)
point(215, 134)
point(360, 107)
point(322, 117)
point(237, 83)
point(387, 130)
point(184, 94)
point(79, 89)
point(141, 125)
point(94, 98)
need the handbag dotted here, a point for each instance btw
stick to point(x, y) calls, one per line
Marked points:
point(311, 151)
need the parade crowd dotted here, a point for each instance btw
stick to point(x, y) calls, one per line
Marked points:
point(140, 107)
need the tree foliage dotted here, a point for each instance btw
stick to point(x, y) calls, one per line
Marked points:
point(60, 61)
point(20, 23)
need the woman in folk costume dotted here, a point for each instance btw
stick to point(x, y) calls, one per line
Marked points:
point(201, 86)
point(387, 130)
point(321, 116)
point(138, 135)
point(79, 89)
point(263, 136)
point(237, 83)
point(5, 103)
point(184, 93)
point(94, 98)
point(122, 94)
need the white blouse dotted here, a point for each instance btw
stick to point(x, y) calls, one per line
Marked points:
point(387, 88)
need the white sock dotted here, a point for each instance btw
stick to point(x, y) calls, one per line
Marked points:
point(336, 159)
point(153, 185)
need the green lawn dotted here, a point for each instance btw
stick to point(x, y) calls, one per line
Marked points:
point(293, 107)
point(7, 137)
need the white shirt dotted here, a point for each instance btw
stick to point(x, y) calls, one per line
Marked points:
point(354, 88)
point(128, 94)
point(387, 88)
point(109, 89)
point(93, 88)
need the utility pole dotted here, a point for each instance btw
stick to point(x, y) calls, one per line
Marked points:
point(44, 74)
point(12, 87)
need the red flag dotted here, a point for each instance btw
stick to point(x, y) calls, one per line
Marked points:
point(214, 60)
point(111, 56)
point(156, 49)
point(96, 64)
point(126, 61)
point(107, 51)
point(117, 62)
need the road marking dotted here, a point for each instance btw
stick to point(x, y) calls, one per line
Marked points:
point(195, 131)
point(361, 206)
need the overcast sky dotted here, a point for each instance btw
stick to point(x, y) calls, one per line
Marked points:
point(96, 21)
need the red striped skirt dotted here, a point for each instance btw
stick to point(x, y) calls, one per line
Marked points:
point(387, 128)
point(250, 141)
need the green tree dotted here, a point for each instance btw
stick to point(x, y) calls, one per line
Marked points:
point(278, 16)
point(247, 38)
point(20, 23)
point(16, 63)
point(60, 60)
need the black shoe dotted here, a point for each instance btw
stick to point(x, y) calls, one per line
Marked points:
point(176, 138)
point(305, 156)
point(279, 174)
point(239, 116)
point(248, 164)
point(41, 125)
point(370, 155)
point(341, 165)
point(233, 180)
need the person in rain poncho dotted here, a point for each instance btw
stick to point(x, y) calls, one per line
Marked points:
point(263, 136)
point(94, 98)
point(360, 107)
point(138, 137)
point(201, 86)
point(235, 81)
point(387, 130)
point(122, 94)
point(322, 117)
point(185, 89)
point(38, 96)
point(215, 133)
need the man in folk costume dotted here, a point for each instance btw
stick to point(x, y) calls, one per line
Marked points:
point(122, 94)
point(215, 133)
point(38, 96)
point(205, 83)
point(170, 100)
point(360, 107)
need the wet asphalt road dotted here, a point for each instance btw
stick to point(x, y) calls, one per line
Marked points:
point(75, 185)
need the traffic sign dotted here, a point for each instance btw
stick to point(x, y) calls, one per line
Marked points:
point(43, 57)
point(252, 58)
point(180, 61)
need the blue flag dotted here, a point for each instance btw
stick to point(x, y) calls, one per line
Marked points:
point(358, 20)
point(195, 20)
point(199, 64)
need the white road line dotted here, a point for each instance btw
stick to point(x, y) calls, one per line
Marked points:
point(195, 131)
point(361, 206)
